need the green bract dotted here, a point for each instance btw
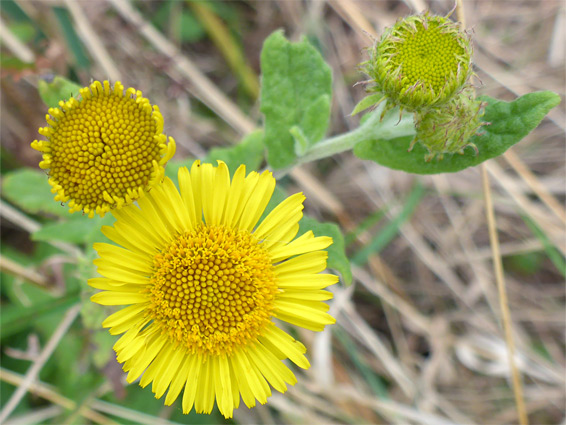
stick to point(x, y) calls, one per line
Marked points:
point(449, 127)
point(420, 62)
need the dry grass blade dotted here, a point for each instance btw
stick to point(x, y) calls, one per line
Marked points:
point(535, 184)
point(15, 216)
point(503, 302)
point(31, 276)
point(19, 49)
point(202, 87)
point(92, 41)
point(49, 394)
point(42, 415)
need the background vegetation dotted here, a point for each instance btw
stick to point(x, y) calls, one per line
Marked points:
point(418, 338)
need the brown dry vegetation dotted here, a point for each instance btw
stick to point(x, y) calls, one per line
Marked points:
point(418, 337)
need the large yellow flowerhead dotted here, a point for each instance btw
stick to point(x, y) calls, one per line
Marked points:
point(203, 281)
point(105, 149)
point(420, 62)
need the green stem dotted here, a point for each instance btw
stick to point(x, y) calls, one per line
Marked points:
point(373, 129)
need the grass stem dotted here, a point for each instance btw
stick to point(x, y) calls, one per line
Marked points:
point(503, 302)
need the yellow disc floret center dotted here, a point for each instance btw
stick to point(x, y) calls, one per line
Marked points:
point(104, 144)
point(213, 289)
point(427, 56)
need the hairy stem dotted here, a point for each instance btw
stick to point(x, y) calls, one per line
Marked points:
point(375, 128)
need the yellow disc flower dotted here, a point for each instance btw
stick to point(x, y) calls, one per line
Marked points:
point(420, 62)
point(104, 150)
point(203, 281)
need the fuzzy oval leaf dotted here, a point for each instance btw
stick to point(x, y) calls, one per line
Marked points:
point(58, 89)
point(77, 229)
point(510, 122)
point(28, 189)
point(337, 258)
point(295, 92)
point(249, 152)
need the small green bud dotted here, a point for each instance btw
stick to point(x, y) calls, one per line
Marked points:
point(420, 62)
point(448, 128)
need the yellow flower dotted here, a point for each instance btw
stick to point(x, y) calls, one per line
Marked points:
point(203, 282)
point(105, 150)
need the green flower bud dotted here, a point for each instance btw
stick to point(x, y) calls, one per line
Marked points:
point(448, 128)
point(420, 62)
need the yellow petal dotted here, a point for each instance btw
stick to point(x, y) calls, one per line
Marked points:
point(145, 357)
point(123, 315)
point(193, 377)
point(204, 400)
point(166, 205)
point(271, 367)
point(154, 218)
point(309, 316)
point(241, 376)
point(186, 190)
point(281, 215)
point(254, 379)
point(118, 298)
point(129, 259)
point(218, 195)
point(179, 380)
point(312, 262)
point(257, 202)
point(284, 234)
point(300, 294)
point(235, 200)
point(138, 219)
point(223, 389)
point(307, 281)
point(116, 236)
point(305, 243)
point(166, 373)
point(120, 274)
point(289, 346)
point(134, 346)
point(159, 363)
point(113, 285)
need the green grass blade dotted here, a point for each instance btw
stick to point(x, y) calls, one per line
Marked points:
point(72, 38)
point(553, 253)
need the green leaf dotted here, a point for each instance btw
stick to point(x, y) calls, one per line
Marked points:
point(296, 91)
point(301, 142)
point(337, 258)
point(509, 123)
point(367, 102)
point(248, 152)
point(51, 92)
point(78, 229)
point(28, 189)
